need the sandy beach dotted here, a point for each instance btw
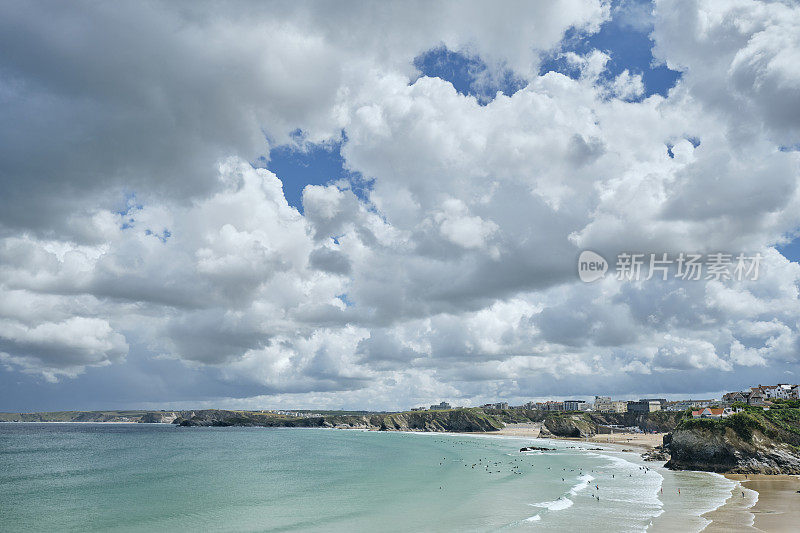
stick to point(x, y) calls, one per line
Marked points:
point(645, 441)
point(632, 440)
point(777, 501)
point(532, 429)
point(778, 505)
point(735, 514)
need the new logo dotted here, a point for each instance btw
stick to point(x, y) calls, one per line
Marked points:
point(591, 266)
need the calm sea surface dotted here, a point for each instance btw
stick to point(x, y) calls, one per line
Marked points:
point(152, 477)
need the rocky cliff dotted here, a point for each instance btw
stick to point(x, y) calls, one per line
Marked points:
point(586, 424)
point(459, 420)
point(566, 425)
point(743, 443)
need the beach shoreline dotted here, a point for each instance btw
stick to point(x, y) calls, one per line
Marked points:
point(778, 505)
point(639, 441)
point(758, 502)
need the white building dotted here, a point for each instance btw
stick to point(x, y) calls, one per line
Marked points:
point(619, 406)
point(781, 391)
point(602, 404)
point(574, 405)
point(553, 406)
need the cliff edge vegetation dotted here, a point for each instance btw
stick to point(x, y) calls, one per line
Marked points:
point(753, 441)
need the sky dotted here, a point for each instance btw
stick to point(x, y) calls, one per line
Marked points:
point(381, 205)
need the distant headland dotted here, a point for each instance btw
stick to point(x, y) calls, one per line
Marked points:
point(748, 439)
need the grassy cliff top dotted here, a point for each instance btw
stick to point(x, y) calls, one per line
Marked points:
point(781, 422)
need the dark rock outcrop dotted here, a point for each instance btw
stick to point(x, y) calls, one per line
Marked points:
point(559, 424)
point(725, 451)
point(457, 420)
point(569, 425)
point(656, 454)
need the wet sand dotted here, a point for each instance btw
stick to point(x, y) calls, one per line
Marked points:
point(777, 502)
point(735, 514)
point(778, 505)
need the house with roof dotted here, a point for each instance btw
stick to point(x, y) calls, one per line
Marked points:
point(781, 391)
point(712, 413)
point(737, 396)
point(756, 396)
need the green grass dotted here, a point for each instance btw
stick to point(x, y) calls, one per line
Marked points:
point(772, 422)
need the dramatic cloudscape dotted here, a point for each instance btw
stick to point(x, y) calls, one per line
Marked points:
point(381, 205)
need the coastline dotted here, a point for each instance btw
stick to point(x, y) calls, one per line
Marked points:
point(769, 503)
point(757, 502)
point(640, 441)
point(778, 505)
point(736, 514)
point(78, 422)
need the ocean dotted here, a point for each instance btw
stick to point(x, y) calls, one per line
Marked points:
point(154, 477)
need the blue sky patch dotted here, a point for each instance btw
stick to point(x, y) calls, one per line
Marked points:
point(302, 164)
point(127, 211)
point(629, 47)
point(791, 251)
point(469, 75)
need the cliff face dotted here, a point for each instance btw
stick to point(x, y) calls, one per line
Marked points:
point(726, 452)
point(754, 441)
point(459, 420)
point(576, 425)
point(587, 424)
point(660, 421)
point(77, 416)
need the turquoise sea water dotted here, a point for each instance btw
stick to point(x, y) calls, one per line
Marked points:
point(143, 477)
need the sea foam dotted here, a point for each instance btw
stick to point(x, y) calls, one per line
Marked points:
point(555, 505)
point(584, 482)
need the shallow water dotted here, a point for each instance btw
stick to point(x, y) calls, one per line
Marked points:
point(142, 477)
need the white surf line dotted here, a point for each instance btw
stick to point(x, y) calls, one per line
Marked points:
point(750, 497)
